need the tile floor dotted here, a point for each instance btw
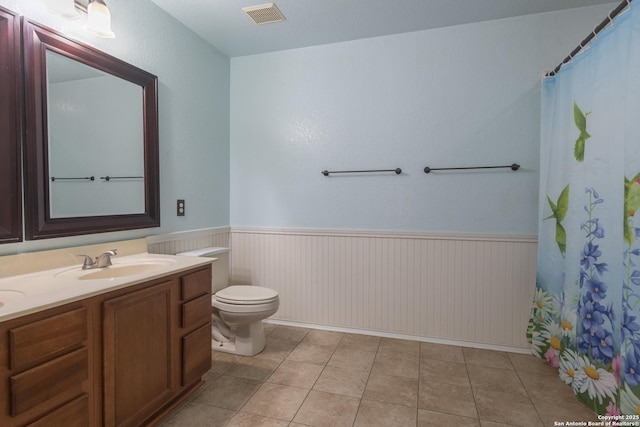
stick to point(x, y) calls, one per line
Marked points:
point(308, 377)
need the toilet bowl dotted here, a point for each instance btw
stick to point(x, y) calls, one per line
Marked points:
point(243, 308)
point(237, 310)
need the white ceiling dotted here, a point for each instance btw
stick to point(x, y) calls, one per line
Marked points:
point(313, 22)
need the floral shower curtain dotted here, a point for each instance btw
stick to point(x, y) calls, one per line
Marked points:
point(585, 318)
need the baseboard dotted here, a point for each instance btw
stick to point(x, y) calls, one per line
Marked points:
point(400, 336)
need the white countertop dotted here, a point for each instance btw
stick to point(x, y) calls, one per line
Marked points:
point(29, 293)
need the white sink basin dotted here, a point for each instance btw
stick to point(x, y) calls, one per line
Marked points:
point(123, 270)
point(8, 297)
point(117, 270)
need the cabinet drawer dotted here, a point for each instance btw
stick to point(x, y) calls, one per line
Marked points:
point(47, 338)
point(196, 311)
point(196, 284)
point(196, 354)
point(46, 381)
point(72, 414)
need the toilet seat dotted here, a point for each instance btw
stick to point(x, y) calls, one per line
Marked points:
point(244, 308)
point(245, 295)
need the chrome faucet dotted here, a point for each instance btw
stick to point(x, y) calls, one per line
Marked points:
point(103, 260)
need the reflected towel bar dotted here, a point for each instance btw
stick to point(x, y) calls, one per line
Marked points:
point(83, 178)
point(109, 178)
point(398, 171)
point(514, 167)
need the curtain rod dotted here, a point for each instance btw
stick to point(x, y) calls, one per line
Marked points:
point(615, 12)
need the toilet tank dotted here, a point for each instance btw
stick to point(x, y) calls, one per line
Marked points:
point(220, 270)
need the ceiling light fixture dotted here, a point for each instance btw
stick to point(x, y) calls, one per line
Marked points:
point(98, 15)
point(99, 19)
point(64, 8)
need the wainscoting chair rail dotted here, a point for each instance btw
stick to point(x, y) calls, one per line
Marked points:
point(513, 167)
point(397, 171)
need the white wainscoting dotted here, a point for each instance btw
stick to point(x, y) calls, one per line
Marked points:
point(473, 289)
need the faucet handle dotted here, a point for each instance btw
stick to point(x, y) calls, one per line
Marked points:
point(109, 254)
point(104, 259)
point(88, 261)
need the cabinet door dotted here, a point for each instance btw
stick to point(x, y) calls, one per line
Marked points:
point(137, 355)
point(10, 188)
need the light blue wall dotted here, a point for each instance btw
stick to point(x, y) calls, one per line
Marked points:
point(194, 112)
point(457, 96)
point(454, 96)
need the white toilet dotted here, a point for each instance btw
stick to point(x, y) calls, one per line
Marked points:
point(238, 310)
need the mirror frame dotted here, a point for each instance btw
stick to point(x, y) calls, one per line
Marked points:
point(37, 39)
point(10, 128)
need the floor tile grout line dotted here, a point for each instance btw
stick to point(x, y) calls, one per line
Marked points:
point(477, 418)
point(263, 382)
point(365, 384)
point(540, 418)
point(477, 391)
point(314, 383)
point(533, 403)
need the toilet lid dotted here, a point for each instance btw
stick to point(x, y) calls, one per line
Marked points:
point(245, 294)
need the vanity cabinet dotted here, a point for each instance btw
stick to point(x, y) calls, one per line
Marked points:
point(47, 371)
point(123, 358)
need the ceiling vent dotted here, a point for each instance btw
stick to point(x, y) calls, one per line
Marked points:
point(264, 13)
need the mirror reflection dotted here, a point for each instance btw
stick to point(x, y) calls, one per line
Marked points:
point(87, 114)
point(95, 141)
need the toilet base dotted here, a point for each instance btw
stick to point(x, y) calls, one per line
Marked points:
point(249, 340)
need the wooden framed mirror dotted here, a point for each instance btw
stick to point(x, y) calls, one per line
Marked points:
point(91, 149)
point(10, 129)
